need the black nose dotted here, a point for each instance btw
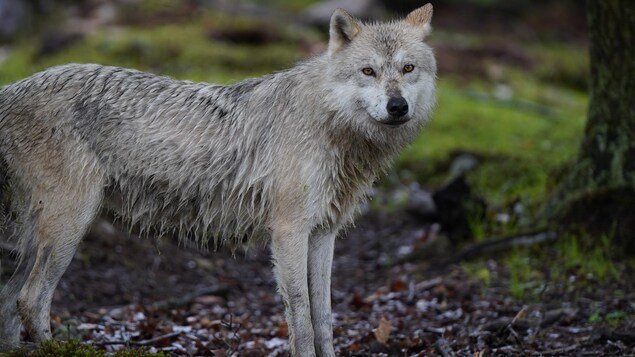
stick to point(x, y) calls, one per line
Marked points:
point(397, 107)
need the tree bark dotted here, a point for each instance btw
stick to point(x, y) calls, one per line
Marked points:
point(599, 192)
point(608, 148)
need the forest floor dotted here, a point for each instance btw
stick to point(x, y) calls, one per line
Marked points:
point(162, 297)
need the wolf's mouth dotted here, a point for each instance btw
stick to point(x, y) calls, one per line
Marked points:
point(394, 122)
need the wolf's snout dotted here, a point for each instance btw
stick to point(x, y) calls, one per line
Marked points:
point(397, 107)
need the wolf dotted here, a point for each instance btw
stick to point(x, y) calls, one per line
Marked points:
point(284, 159)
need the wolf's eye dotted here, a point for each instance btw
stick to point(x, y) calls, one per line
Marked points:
point(408, 68)
point(368, 71)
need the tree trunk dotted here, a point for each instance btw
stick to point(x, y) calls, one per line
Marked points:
point(608, 148)
point(599, 192)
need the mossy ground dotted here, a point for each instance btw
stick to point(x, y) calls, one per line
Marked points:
point(74, 348)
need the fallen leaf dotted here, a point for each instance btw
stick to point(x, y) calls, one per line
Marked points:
point(354, 347)
point(382, 332)
point(358, 302)
point(283, 329)
point(398, 285)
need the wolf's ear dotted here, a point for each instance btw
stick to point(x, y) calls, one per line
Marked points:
point(421, 18)
point(342, 30)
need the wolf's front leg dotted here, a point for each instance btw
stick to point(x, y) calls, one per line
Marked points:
point(321, 247)
point(289, 250)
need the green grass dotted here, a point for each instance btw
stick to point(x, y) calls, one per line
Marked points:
point(520, 272)
point(477, 271)
point(577, 262)
point(561, 64)
point(487, 126)
point(589, 256)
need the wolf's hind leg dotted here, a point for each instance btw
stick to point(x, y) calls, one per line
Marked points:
point(64, 216)
point(9, 320)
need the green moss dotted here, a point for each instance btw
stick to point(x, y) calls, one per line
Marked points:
point(601, 212)
point(74, 348)
point(612, 319)
point(478, 272)
point(577, 263)
point(588, 256)
point(520, 273)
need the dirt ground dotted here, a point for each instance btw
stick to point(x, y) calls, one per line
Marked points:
point(130, 292)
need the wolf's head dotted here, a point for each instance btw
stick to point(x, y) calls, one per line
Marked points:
point(382, 74)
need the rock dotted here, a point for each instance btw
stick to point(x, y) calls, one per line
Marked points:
point(420, 202)
point(458, 209)
point(462, 164)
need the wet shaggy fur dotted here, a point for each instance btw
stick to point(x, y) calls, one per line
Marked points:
point(188, 157)
point(285, 158)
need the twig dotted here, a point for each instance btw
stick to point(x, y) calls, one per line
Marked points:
point(518, 323)
point(501, 324)
point(515, 335)
point(618, 336)
point(220, 290)
point(437, 330)
point(139, 343)
point(233, 328)
point(552, 316)
point(557, 352)
point(187, 298)
point(496, 245)
point(520, 316)
point(427, 284)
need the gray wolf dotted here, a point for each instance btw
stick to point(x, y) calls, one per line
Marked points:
point(285, 158)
